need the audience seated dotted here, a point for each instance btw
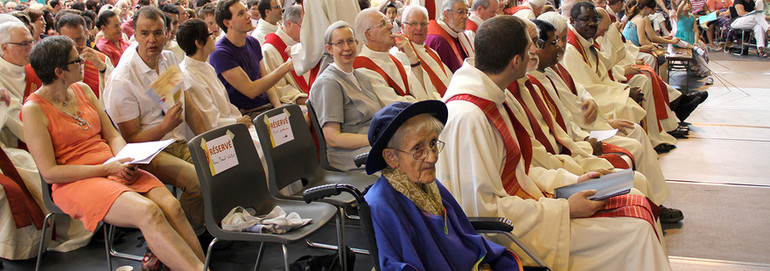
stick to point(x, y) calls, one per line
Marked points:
point(743, 18)
point(172, 24)
point(343, 100)
point(207, 13)
point(528, 10)
point(112, 43)
point(140, 118)
point(239, 65)
point(293, 87)
point(447, 35)
point(417, 223)
point(71, 138)
point(489, 174)
point(436, 74)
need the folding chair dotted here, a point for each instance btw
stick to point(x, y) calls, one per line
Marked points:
point(743, 42)
point(295, 160)
point(244, 185)
point(109, 231)
point(324, 160)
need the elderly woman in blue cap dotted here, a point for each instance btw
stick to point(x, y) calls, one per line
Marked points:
point(417, 222)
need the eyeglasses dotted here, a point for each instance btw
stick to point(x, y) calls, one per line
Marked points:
point(349, 42)
point(78, 61)
point(421, 24)
point(23, 43)
point(589, 19)
point(275, 7)
point(539, 44)
point(462, 12)
point(420, 152)
point(382, 23)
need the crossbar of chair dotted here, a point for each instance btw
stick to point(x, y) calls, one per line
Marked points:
point(519, 243)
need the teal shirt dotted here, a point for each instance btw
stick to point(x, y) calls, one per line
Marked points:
point(630, 33)
point(684, 29)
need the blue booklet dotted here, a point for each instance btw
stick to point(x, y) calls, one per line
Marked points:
point(607, 186)
point(707, 18)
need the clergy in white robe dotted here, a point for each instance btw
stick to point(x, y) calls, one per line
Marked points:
point(448, 37)
point(22, 243)
point(293, 87)
point(436, 74)
point(475, 156)
point(532, 10)
point(392, 81)
point(481, 10)
point(319, 14)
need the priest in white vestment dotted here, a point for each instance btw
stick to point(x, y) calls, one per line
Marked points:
point(481, 10)
point(476, 155)
point(319, 14)
point(392, 81)
point(293, 88)
point(269, 21)
point(436, 74)
point(22, 243)
point(447, 35)
point(530, 9)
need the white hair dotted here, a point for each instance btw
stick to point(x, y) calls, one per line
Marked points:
point(536, 3)
point(363, 23)
point(531, 25)
point(448, 6)
point(6, 27)
point(555, 19)
point(413, 8)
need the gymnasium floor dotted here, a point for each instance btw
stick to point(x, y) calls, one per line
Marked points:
point(718, 178)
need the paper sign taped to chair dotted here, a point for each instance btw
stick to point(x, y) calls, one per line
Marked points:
point(221, 154)
point(280, 129)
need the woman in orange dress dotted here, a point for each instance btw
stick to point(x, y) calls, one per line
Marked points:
point(70, 137)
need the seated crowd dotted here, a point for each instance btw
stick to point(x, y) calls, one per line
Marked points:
point(465, 108)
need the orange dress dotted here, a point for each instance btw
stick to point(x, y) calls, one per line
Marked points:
point(87, 200)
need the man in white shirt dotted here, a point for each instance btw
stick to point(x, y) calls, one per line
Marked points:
point(391, 79)
point(436, 74)
point(142, 116)
point(271, 12)
point(489, 175)
point(173, 14)
point(293, 87)
point(481, 10)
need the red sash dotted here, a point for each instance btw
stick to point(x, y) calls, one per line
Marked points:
point(612, 154)
point(566, 77)
point(279, 45)
point(32, 82)
point(440, 86)
point(629, 205)
point(24, 209)
point(555, 112)
point(513, 10)
point(573, 39)
point(513, 154)
point(435, 29)
point(365, 62)
point(471, 25)
point(91, 75)
point(430, 5)
point(659, 91)
point(533, 123)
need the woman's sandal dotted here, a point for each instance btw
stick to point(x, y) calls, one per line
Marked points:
point(151, 263)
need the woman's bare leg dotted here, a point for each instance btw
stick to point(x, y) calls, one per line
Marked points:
point(176, 217)
point(133, 210)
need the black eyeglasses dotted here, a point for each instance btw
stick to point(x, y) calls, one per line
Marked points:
point(539, 44)
point(23, 43)
point(420, 152)
point(78, 61)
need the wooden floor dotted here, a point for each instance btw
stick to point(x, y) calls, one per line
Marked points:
point(719, 177)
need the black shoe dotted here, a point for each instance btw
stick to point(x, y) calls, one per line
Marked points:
point(670, 215)
point(688, 102)
point(664, 148)
point(680, 132)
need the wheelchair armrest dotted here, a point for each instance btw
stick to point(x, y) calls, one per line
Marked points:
point(360, 159)
point(491, 224)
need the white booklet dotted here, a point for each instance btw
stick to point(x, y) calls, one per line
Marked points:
point(607, 186)
point(142, 153)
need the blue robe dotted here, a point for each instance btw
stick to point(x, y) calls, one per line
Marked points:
point(410, 239)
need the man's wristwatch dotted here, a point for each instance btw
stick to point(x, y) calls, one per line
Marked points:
point(415, 64)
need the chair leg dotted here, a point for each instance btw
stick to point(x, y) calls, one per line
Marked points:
point(208, 253)
point(259, 255)
point(42, 240)
point(341, 238)
point(108, 243)
point(111, 250)
point(285, 257)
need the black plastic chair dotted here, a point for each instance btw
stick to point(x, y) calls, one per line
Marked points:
point(54, 210)
point(245, 185)
point(295, 161)
point(324, 160)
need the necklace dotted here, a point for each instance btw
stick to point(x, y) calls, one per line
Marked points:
point(64, 103)
point(77, 116)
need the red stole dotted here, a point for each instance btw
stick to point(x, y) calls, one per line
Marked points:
point(659, 93)
point(430, 5)
point(513, 154)
point(279, 45)
point(471, 25)
point(533, 123)
point(435, 29)
point(365, 62)
point(566, 77)
point(513, 10)
point(550, 102)
point(24, 209)
point(629, 205)
point(32, 82)
point(440, 86)
point(573, 39)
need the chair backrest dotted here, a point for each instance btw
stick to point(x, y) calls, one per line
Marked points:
point(241, 185)
point(321, 139)
point(292, 160)
point(47, 199)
